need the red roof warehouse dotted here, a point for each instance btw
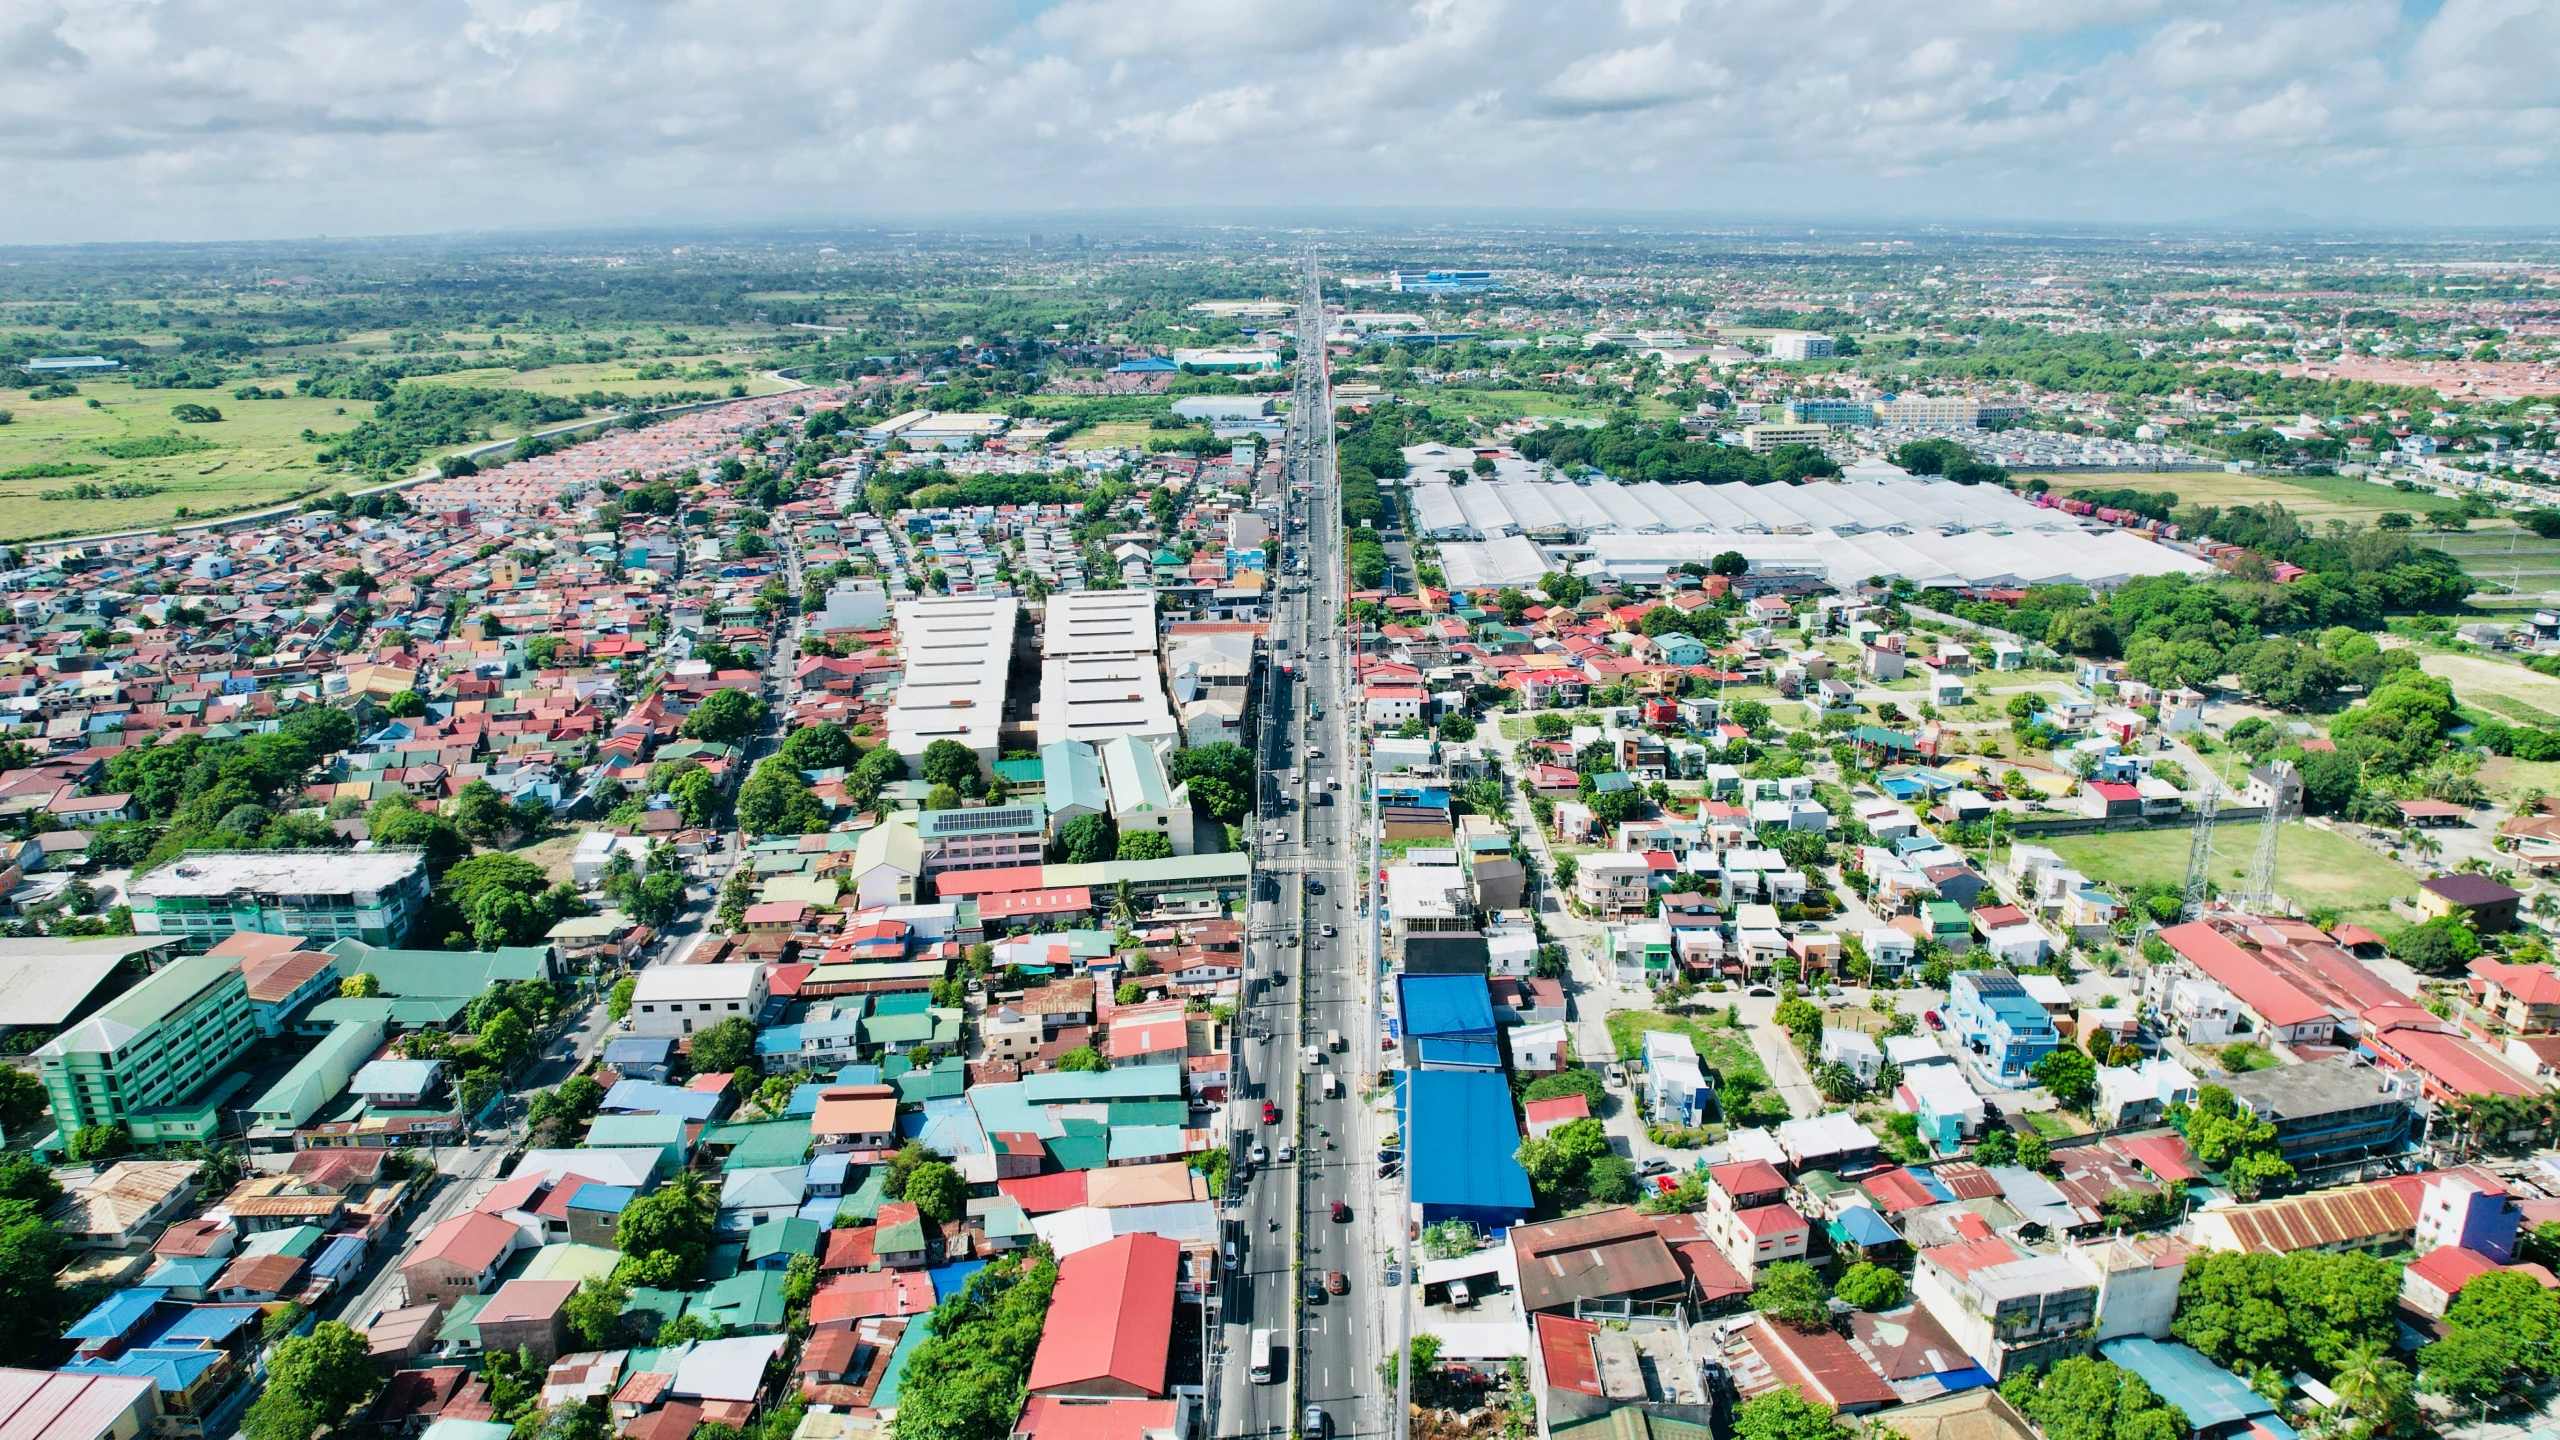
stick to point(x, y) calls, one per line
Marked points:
point(1110, 1322)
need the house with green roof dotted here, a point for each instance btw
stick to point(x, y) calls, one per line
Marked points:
point(945, 1079)
point(1007, 1226)
point(569, 1260)
point(441, 974)
point(1135, 1082)
point(887, 863)
point(1080, 1145)
point(1142, 800)
point(774, 1244)
point(935, 1028)
point(645, 1311)
point(758, 1145)
point(666, 1132)
point(861, 1204)
point(318, 1077)
point(156, 1045)
point(1023, 777)
point(1227, 874)
point(747, 1303)
point(1071, 782)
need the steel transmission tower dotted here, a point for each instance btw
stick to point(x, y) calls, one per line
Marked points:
point(2200, 851)
point(2262, 870)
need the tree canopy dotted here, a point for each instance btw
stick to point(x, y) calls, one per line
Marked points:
point(725, 717)
point(2304, 1311)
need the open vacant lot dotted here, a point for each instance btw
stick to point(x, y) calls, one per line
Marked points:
point(2315, 498)
point(2317, 869)
point(2509, 690)
point(253, 456)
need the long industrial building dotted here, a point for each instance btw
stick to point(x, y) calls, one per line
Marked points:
point(955, 652)
point(1101, 671)
point(1511, 528)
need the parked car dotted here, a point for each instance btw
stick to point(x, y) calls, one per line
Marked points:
point(1934, 1022)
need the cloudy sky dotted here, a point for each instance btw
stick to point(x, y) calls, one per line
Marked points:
point(185, 119)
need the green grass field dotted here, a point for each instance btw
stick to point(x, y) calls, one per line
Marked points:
point(253, 456)
point(2316, 869)
point(2494, 685)
point(1727, 1052)
point(2314, 498)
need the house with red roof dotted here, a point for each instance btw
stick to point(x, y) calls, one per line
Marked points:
point(2524, 998)
point(1749, 1219)
point(460, 1256)
point(2429, 1283)
point(2278, 1007)
point(2450, 1065)
point(1546, 1115)
point(1110, 1322)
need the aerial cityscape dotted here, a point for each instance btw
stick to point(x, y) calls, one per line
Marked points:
point(1213, 721)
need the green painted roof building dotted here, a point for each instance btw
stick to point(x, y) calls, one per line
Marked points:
point(155, 1045)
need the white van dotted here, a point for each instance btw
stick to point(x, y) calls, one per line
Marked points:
point(1332, 1085)
point(1333, 1041)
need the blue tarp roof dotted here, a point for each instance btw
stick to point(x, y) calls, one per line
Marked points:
point(1452, 1005)
point(948, 1279)
point(602, 1198)
point(2210, 1395)
point(1461, 1143)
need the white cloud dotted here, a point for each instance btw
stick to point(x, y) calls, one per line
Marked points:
point(184, 119)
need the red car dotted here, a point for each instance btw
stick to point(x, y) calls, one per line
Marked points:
point(1931, 1016)
point(1341, 1213)
point(1270, 1113)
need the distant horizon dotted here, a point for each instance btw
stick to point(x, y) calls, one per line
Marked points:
point(1399, 224)
point(187, 122)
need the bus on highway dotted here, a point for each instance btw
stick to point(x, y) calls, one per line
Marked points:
point(1261, 1371)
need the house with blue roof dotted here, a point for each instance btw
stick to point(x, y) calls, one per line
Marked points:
point(644, 1097)
point(2002, 1028)
point(1447, 1023)
point(640, 1057)
point(2216, 1402)
point(817, 1044)
point(1461, 1148)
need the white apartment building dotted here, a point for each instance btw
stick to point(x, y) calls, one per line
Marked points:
point(671, 1001)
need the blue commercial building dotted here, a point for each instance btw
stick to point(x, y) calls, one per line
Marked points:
point(2003, 1027)
point(1439, 282)
point(1462, 1146)
point(1447, 1023)
point(1830, 412)
point(2216, 1402)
